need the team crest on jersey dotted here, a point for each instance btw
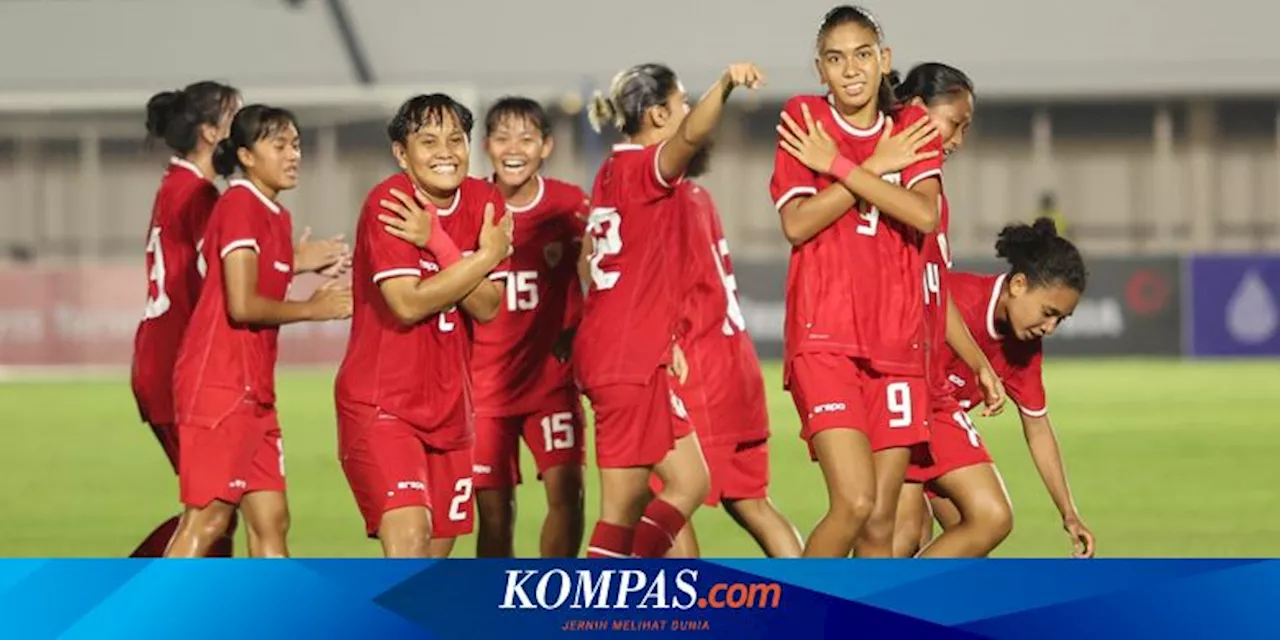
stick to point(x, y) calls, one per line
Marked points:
point(553, 253)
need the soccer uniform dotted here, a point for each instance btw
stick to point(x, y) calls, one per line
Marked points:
point(521, 388)
point(623, 345)
point(724, 392)
point(956, 443)
point(403, 393)
point(224, 378)
point(178, 218)
point(854, 346)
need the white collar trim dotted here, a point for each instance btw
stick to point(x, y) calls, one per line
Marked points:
point(270, 204)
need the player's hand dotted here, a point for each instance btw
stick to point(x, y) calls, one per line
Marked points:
point(742, 74)
point(411, 222)
point(808, 142)
point(1082, 542)
point(495, 236)
point(679, 366)
point(895, 152)
point(563, 348)
point(320, 255)
point(993, 394)
point(331, 301)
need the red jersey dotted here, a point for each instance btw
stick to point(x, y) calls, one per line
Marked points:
point(630, 310)
point(174, 272)
point(514, 370)
point(1017, 363)
point(417, 373)
point(937, 274)
point(724, 394)
point(221, 364)
point(854, 288)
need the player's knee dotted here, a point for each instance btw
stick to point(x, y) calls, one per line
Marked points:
point(495, 509)
point(564, 491)
point(852, 509)
point(993, 516)
point(210, 523)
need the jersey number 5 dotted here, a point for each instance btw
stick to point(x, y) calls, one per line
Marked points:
point(605, 226)
point(733, 320)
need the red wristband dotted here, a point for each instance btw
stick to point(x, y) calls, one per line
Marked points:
point(442, 247)
point(841, 167)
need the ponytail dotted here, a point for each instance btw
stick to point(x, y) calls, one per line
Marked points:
point(176, 116)
point(1039, 253)
point(630, 95)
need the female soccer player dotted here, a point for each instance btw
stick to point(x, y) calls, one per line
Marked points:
point(855, 342)
point(1009, 314)
point(403, 392)
point(523, 388)
point(224, 379)
point(191, 122)
point(625, 343)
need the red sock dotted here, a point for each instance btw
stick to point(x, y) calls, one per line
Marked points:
point(154, 545)
point(610, 541)
point(657, 529)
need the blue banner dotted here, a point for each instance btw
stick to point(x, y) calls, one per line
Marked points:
point(1234, 305)
point(739, 599)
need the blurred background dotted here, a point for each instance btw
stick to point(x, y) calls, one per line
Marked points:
point(1147, 128)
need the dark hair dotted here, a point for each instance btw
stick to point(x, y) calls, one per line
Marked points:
point(845, 14)
point(517, 107)
point(176, 116)
point(427, 109)
point(631, 94)
point(251, 124)
point(1044, 257)
point(932, 81)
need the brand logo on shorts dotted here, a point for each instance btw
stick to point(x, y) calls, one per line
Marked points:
point(481, 469)
point(238, 484)
point(411, 485)
point(830, 407)
point(677, 405)
point(956, 380)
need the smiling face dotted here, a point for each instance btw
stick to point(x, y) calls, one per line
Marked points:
point(435, 155)
point(274, 159)
point(851, 63)
point(517, 148)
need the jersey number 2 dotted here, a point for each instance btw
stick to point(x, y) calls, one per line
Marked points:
point(605, 226)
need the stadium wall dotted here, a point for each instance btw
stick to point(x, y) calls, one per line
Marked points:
point(1198, 306)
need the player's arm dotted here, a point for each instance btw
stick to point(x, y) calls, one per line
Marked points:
point(1047, 456)
point(696, 128)
point(962, 342)
point(916, 205)
point(485, 300)
point(411, 298)
point(806, 217)
point(245, 305)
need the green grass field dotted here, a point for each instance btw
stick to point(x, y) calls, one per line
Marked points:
point(1167, 458)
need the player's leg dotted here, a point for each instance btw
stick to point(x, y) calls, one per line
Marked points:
point(913, 515)
point(686, 483)
point(496, 474)
point(899, 412)
point(211, 480)
point(686, 544)
point(450, 484)
point(265, 509)
point(635, 430)
point(386, 468)
point(556, 440)
point(828, 395)
point(944, 510)
point(744, 478)
point(986, 517)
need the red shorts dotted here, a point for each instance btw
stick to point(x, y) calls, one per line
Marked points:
point(832, 391)
point(239, 454)
point(954, 444)
point(554, 436)
point(388, 466)
point(637, 425)
point(739, 471)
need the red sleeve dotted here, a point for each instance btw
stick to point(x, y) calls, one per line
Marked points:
point(791, 179)
point(389, 256)
point(651, 185)
point(931, 168)
point(1025, 385)
point(239, 225)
